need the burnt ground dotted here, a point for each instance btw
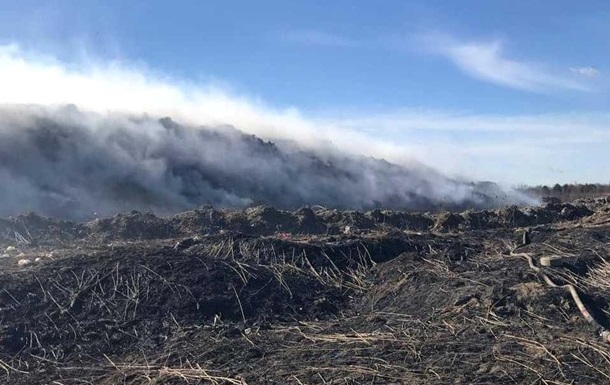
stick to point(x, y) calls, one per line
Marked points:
point(314, 296)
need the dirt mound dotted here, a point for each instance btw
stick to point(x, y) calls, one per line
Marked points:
point(511, 217)
point(131, 226)
point(570, 212)
point(32, 229)
point(448, 222)
point(202, 220)
point(346, 222)
point(401, 221)
point(145, 294)
point(309, 223)
point(267, 221)
point(477, 220)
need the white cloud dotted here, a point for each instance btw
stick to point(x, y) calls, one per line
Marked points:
point(487, 61)
point(588, 72)
point(317, 38)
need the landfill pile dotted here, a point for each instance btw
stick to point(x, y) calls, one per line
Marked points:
point(310, 296)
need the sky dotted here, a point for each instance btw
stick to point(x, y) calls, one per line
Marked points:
point(511, 91)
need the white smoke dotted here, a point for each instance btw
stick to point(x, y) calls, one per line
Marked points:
point(74, 141)
point(30, 79)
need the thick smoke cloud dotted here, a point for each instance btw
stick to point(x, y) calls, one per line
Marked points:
point(102, 86)
point(69, 163)
point(105, 155)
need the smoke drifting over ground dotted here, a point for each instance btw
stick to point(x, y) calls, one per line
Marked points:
point(90, 137)
point(69, 163)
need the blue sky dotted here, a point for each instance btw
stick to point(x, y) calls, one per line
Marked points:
point(515, 91)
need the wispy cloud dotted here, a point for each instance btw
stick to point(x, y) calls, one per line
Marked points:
point(510, 148)
point(588, 72)
point(487, 61)
point(317, 38)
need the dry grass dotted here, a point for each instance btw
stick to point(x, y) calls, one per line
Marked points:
point(264, 256)
point(599, 277)
point(146, 374)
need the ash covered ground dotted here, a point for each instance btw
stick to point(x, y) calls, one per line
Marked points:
point(311, 296)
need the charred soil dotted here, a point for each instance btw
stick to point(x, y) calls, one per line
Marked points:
point(313, 296)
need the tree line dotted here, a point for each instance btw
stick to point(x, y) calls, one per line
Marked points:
point(568, 192)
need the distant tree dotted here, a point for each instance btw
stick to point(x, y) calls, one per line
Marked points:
point(583, 188)
point(569, 192)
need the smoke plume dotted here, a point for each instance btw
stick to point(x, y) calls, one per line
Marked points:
point(69, 163)
point(94, 139)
